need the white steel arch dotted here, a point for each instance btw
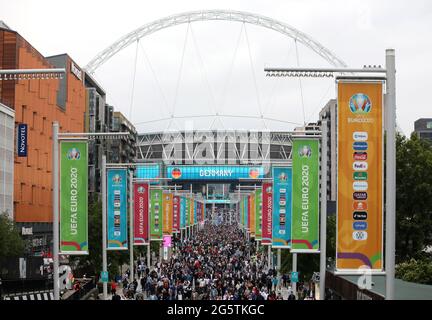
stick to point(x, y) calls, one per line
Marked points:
point(206, 15)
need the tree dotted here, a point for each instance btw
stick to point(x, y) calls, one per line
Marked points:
point(413, 197)
point(418, 271)
point(11, 243)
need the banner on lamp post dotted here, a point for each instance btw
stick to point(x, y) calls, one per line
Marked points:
point(246, 212)
point(359, 237)
point(267, 212)
point(258, 215)
point(252, 215)
point(188, 210)
point(156, 219)
point(182, 212)
point(176, 214)
point(167, 204)
point(195, 212)
point(73, 198)
point(141, 213)
point(281, 204)
point(117, 209)
point(305, 196)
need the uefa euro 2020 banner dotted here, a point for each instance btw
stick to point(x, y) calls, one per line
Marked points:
point(267, 211)
point(359, 241)
point(182, 212)
point(73, 198)
point(167, 204)
point(187, 211)
point(141, 213)
point(117, 209)
point(176, 214)
point(156, 215)
point(195, 212)
point(245, 211)
point(258, 215)
point(305, 205)
point(281, 220)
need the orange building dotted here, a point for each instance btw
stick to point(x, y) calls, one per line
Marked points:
point(38, 103)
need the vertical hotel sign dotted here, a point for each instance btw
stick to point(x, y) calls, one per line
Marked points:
point(305, 198)
point(267, 211)
point(141, 216)
point(155, 214)
point(117, 209)
point(282, 200)
point(22, 140)
point(360, 176)
point(73, 198)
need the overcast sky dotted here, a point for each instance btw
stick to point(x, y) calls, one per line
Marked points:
point(219, 68)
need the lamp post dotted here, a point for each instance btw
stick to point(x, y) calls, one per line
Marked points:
point(390, 114)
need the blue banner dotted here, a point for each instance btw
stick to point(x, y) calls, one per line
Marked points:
point(182, 213)
point(117, 209)
point(22, 140)
point(214, 172)
point(282, 203)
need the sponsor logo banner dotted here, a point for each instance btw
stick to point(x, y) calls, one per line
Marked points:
point(182, 212)
point(73, 198)
point(176, 214)
point(141, 213)
point(267, 212)
point(282, 200)
point(167, 204)
point(258, 215)
point(305, 184)
point(156, 219)
point(360, 176)
point(252, 216)
point(117, 209)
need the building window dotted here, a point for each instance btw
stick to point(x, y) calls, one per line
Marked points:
point(429, 125)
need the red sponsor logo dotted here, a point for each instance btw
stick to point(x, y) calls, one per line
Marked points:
point(362, 156)
point(360, 205)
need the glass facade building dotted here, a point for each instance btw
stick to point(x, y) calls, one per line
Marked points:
point(7, 139)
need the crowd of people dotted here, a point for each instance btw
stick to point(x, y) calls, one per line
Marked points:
point(215, 264)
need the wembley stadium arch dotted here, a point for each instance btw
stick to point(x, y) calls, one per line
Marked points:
point(213, 156)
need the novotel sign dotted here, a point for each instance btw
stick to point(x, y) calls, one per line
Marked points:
point(22, 140)
point(214, 172)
